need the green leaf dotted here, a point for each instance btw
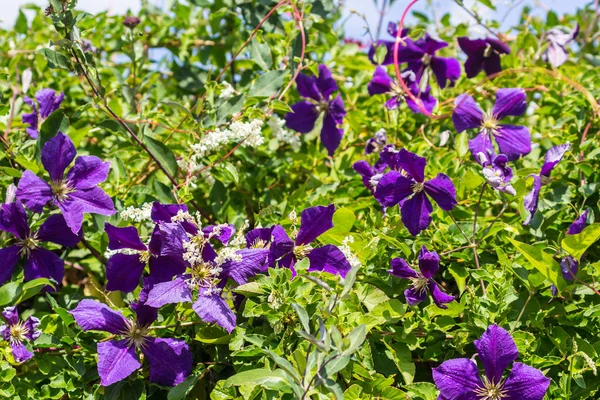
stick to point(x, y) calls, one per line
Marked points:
point(462, 144)
point(57, 121)
point(180, 391)
point(576, 245)
point(21, 23)
point(261, 54)
point(487, 3)
point(180, 107)
point(303, 315)
point(33, 287)
point(272, 380)
point(543, 262)
point(56, 59)
point(164, 155)
point(268, 84)
point(231, 106)
point(285, 365)
point(9, 293)
point(279, 105)
point(356, 339)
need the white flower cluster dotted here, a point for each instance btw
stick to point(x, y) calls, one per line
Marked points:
point(227, 92)
point(350, 256)
point(283, 135)
point(237, 131)
point(137, 214)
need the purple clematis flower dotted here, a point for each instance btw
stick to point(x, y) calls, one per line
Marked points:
point(459, 378)
point(16, 332)
point(39, 262)
point(396, 187)
point(497, 173)
point(376, 143)
point(556, 53)
point(49, 102)
point(164, 254)
point(482, 54)
point(568, 264)
point(313, 223)
point(513, 141)
point(317, 90)
point(422, 282)
point(382, 83)
point(553, 157)
point(74, 194)
point(170, 359)
point(420, 56)
point(392, 30)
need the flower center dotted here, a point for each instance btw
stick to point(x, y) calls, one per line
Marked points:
point(491, 390)
point(426, 59)
point(145, 256)
point(18, 332)
point(259, 244)
point(302, 251)
point(322, 106)
point(397, 90)
point(28, 244)
point(205, 274)
point(490, 125)
point(545, 179)
point(136, 335)
point(61, 189)
point(420, 284)
point(417, 187)
point(488, 51)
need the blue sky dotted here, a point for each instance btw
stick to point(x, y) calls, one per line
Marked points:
point(355, 26)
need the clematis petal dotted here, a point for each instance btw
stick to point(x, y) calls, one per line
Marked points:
point(91, 315)
point(11, 314)
point(258, 237)
point(55, 230)
point(429, 262)
point(393, 188)
point(331, 134)
point(416, 213)
point(498, 45)
point(72, 211)
point(49, 101)
point(13, 219)
point(579, 224)
point(553, 157)
point(472, 46)
point(9, 257)
point(281, 244)
point(20, 352)
point(31, 324)
point(526, 383)
point(314, 222)
point(466, 114)
point(165, 212)
point(95, 201)
point(170, 360)
point(413, 164)
point(366, 172)
point(568, 267)
point(381, 82)
point(213, 309)
point(395, 102)
point(43, 263)
point(497, 350)
point(401, 269)
point(226, 232)
point(32, 119)
point(457, 379)
point(482, 149)
point(33, 191)
point(414, 297)
point(474, 65)
point(446, 70)
point(427, 99)
point(336, 109)
point(116, 361)
point(57, 154)
point(509, 102)
point(123, 238)
point(513, 141)
point(88, 172)
point(439, 298)
point(307, 87)
point(123, 272)
point(325, 82)
point(441, 189)
point(492, 64)
point(303, 117)
point(330, 259)
point(250, 265)
point(531, 199)
point(556, 55)
point(145, 315)
point(175, 291)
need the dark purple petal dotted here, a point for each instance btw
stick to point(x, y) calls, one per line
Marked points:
point(466, 114)
point(9, 257)
point(116, 361)
point(414, 297)
point(165, 268)
point(526, 383)
point(49, 101)
point(314, 222)
point(170, 360)
point(474, 65)
point(429, 262)
point(531, 199)
point(250, 265)
point(145, 315)
point(426, 98)
point(336, 109)
point(457, 379)
point(20, 352)
point(441, 189)
point(393, 188)
point(164, 213)
point(439, 298)
point(498, 45)
point(413, 164)
point(123, 238)
point(445, 70)
point(31, 119)
point(330, 259)
point(307, 87)
point(95, 201)
point(123, 272)
point(57, 154)
point(482, 149)
point(513, 141)
point(170, 260)
point(213, 309)
point(31, 324)
point(553, 157)
point(11, 314)
point(472, 46)
point(303, 117)
point(55, 230)
point(331, 135)
point(44, 263)
point(430, 45)
point(394, 102)
point(72, 211)
point(492, 64)
point(497, 350)
point(401, 269)
point(579, 224)
point(226, 232)
point(568, 267)
point(88, 172)
point(416, 213)
point(325, 82)
point(366, 172)
point(281, 245)
point(258, 237)
point(381, 82)
point(91, 315)
point(13, 219)
point(175, 291)
point(509, 102)
point(33, 192)
point(409, 52)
